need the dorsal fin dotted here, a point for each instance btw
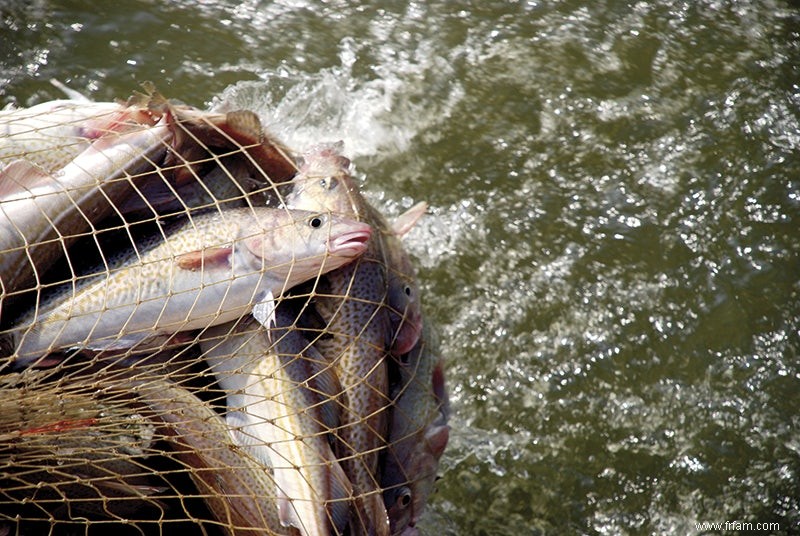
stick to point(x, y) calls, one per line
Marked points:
point(244, 126)
point(408, 219)
point(69, 92)
point(341, 493)
point(436, 438)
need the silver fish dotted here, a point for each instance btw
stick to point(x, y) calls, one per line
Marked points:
point(280, 409)
point(234, 485)
point(418, 434)
point(41, 214)
point(352, 300)
point(205, 271)
point(51, 134)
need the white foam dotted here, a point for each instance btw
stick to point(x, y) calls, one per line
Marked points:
point(378, 116)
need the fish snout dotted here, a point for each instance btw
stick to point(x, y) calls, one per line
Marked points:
point(407, 333)
point(352, 242)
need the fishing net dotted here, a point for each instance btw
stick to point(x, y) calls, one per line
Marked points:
point(204, 331)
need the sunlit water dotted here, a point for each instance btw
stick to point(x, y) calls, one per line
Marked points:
point(612, 253)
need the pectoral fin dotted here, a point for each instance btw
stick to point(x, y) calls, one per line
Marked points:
point(264, 311)
point(209, 258)
point(124, 341)
point(21, 175)
point(286, 511)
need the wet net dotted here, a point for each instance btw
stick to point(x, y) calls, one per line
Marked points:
point(204, 331)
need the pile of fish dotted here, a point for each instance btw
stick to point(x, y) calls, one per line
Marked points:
point(201, 329)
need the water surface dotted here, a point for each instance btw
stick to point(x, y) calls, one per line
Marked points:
point(612, 251)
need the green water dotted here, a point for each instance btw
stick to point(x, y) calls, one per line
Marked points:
point(613, 247)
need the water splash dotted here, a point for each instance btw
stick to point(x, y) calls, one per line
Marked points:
point(373, 116)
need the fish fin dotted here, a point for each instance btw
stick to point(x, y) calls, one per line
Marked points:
point(121, 342)
point(325, 382)
point(287, 513)
point(205, 258)
point(244, 125)
point(69, 92)
point(376, 514)
point(406, 338)
point(408, 219)
point(150, 99)
point(437, 438)
point(238, 423)
point(22, 175)
point(438, 384)
point(341, 493)
point(264, 311)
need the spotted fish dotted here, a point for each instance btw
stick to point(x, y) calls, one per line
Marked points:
point(324, 183)
point(280, 408)
point(236, 488)
point(207, 270)
point(361, 328)
point(418, 433)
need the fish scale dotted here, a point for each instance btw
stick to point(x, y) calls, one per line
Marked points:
point(234, 485)
point(209, 270)
point(353, 302)
point(359, 325)
point(279, 393)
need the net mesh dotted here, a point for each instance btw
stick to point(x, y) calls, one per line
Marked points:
point(202, 330)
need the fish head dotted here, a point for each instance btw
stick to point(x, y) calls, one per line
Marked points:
point(307, 245)
point(324, 182)
point(403, 298)
point(405, 504)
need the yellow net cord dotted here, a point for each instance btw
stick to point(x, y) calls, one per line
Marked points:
point(203, 330)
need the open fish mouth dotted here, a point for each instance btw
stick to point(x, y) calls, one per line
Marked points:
point(353, 242)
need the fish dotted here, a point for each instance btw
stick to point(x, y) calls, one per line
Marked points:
point(358, 335)
point(51, 134)
point(205, 270)
point(201, 133)
point(402, 286)
point(237, 489)
point(418, 430)
point(280, 395)
point(64, 440)
point(324, 183)
point(418, 433)
point(217, 160)
point(42, 213)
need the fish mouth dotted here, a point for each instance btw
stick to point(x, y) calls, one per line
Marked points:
point(351, 243)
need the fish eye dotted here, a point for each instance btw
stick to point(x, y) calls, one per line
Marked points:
point(328, 183)
point(404, 497)
point(315, 222)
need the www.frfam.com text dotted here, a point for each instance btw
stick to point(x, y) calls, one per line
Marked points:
point(738, 526)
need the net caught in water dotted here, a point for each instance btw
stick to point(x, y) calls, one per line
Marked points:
point(202, 330)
